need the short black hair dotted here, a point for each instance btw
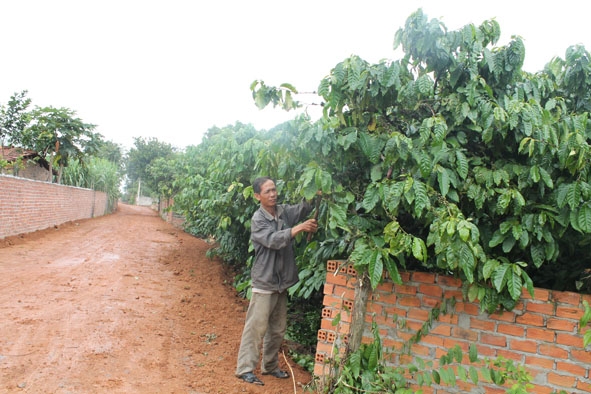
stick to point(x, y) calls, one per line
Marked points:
point(258, 183)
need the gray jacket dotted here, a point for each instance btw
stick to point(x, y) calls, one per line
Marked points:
point(274, 267)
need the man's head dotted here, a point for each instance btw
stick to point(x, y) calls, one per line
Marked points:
point(266, 193)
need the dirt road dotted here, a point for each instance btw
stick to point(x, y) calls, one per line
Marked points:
point(124, 303)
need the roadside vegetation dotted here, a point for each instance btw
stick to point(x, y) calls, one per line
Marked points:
point(450, 159)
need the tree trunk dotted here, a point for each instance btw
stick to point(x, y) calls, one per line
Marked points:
point(362, 292)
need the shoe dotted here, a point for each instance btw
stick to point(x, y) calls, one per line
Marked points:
point(278, 374)
point(249, 377)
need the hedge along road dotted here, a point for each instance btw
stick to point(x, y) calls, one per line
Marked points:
point(124, 303)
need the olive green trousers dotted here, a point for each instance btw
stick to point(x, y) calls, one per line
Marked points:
point(265, 325)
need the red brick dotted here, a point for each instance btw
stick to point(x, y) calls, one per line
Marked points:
point(469, 335)
point(519, 357)
point(531, 319)
point(584, 385)
point(561, 380)
point(374, 308)
point(405, 276)
point(569, 312)
point(451, 342)
point(539, 295)
point(524, 346)
point(432, 340)
point(441, 329)
point(561, 325)
point(545, 363)
point(339, 279)
point(495, 340)
point(457, 294)
point(552, 351)
point(418, 314)
point(423, 277)
point(332, 265)
point(409, 301)
point(544, 308)
point(537, 389)
point(328, 288)
point(581, 355)
point(385, 287)
point(449, 281)
point(541, 334)
point(405, 289)
point(509, 329)
point(484, 325)
point(468, 308)
point(566, 297)
point(331, 301)
point(571, 368)
point(569, 340)
point(503, 316)
point(449, 318)
point(395, 312)
point(385, 298)
point(430, 302)
point(420, 350)
point(430, 290)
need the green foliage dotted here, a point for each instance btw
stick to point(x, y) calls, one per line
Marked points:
point(60, 137)
point(14, 119)
point(453, 159)
point(94, 173)
point(144, 163)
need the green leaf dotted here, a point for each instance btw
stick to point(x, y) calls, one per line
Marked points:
point(489, 267)
point(376, 268)
point(421, 198)
point(497, 239)
point(467, 261)
point(337, 216)
point(371, 147)
point(514, 284)
point(443, 180)
point(436, 377)
point(462, 164)
point(371, 198)
point(419, 250)
point(473, 375)
point(500, 276)
point(573, 195)
point(473, 353)
point(584, 218)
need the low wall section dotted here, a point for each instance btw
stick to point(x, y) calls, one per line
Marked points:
point(541, 333)
point(28, 205)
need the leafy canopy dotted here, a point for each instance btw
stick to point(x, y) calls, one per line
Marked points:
point(450, 159)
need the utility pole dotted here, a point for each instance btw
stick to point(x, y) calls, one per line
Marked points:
point(139, 187)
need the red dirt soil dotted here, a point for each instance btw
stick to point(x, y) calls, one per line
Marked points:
point(124, 303)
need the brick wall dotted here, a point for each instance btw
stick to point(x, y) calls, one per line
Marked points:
point(541, 333)
point(166, 211)
point(27, 205)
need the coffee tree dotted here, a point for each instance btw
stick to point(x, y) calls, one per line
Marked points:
point(454, 159)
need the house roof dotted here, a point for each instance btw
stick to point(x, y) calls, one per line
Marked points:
point(11, 154)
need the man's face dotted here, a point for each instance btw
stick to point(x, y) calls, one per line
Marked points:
point(268, 196)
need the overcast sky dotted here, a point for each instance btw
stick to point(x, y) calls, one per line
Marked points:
point(172, 69)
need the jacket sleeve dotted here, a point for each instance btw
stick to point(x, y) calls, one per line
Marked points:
point(263, 232)
point(298, 213)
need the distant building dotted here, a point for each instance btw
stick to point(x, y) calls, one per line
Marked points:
point(23, 163)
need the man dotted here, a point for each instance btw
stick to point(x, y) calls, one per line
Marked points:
point(273, 228)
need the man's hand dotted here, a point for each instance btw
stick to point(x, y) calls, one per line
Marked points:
point(309, 226)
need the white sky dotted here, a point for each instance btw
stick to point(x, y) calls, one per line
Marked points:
point(172, 69)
